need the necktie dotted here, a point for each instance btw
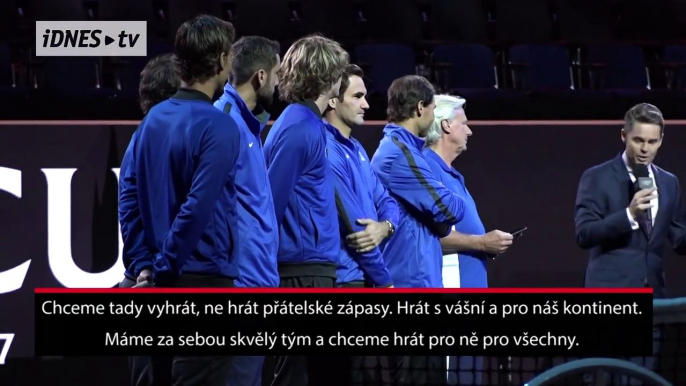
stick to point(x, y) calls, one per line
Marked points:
point(647, 219)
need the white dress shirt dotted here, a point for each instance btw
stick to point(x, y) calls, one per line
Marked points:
point(653, 202)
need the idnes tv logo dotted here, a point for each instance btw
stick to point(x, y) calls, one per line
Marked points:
point(91, 38)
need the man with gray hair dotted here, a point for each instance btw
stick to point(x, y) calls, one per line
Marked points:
point(466, 247)
point(447, 139)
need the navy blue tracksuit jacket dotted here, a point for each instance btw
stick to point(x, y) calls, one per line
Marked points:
point(257, 228)
point(303, 190)
point(177, 199)
point(414, 254)
point(359, 195)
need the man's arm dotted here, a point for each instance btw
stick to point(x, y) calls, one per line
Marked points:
point(592, 225)
point(677, 229)
point(136, 254)
point(216, 154)
point(386, 206)
point(388, 214)
point(350, 209)
point(460, 242)
point(494, 242)
point(286, 165)
point(412, 181)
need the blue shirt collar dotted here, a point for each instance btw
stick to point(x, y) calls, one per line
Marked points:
point(338, 136)
point(255, 123)
point(430, 153)
point(404, 135)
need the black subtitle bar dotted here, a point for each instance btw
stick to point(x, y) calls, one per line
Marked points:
point(343, 322)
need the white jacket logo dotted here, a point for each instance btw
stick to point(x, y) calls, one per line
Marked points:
point(59, 236)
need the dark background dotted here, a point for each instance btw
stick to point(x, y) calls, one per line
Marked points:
point(525, 59)
point(520, 174)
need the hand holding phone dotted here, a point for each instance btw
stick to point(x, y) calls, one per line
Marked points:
point(518, 233)
point(496, 242)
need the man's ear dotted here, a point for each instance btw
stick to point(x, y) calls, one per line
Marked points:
point(623, 135)
point(258, 79)
point(262, 77)
point(332, 103)
point(224, 61)
point(420, 109)
point(445, 126)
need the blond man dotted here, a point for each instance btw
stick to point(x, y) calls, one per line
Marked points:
point(302, 185)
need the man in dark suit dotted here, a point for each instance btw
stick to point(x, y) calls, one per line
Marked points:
point(625, 234)
point(625, 228)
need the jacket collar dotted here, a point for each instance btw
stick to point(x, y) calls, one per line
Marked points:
point(619, 168)
point(256, 119)
point(192, 95)
point(404, 135)
point(338, 136)
point(430, 153)
point(312, 106)
point(261, 115)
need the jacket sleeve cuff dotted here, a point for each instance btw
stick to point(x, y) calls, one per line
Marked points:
point(164, 271)
point(141, 265)
point(634, 224)
point(445, 230)
point(384, 279)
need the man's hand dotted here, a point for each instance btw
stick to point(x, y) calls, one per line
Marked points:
point(144, 276)
point(144, 284)
point(496, 242)
point(369, 238)
point(641, 201)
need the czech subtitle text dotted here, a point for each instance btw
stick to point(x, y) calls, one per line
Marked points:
point(343, 324)
point(354, 309)
point(270, 340)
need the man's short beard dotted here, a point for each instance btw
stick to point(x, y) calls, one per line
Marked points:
point(264, 99)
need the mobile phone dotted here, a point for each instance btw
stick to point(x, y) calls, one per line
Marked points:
point(518, 233)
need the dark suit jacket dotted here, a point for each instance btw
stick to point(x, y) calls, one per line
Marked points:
point(620, 256)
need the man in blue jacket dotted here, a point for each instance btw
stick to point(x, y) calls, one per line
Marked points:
point(367, 214)
point(446, 140)
point(428, 209)
point(182, 162)
point(302, 182)
point(468, 246)
point(254, 70)
point(158, 83)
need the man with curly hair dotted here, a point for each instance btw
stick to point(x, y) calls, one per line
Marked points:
point(159, 82)
point(183, 159)
point(302, 184)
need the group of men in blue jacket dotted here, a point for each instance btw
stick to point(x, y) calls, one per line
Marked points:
point(204, 204)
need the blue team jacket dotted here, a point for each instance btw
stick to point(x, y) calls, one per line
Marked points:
point(472, 263)
point(177, 199)
point(413, 254)
point(359, 195)
point(303, 191)
point(135, 249)
point(257, 227)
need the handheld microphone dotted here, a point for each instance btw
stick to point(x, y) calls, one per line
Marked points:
point(643, 180)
